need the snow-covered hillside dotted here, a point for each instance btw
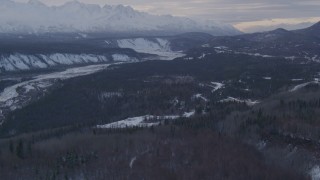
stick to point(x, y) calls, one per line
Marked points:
point(159, 49)
point(144, 121)
point(16, 62)
point(158, 46)
point(36, 17)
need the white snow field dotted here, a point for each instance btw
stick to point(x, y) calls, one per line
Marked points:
point(142, 121)
point(300, 86)
point(158, 46)
point(249, 102)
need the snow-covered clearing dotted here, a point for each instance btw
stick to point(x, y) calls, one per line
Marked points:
point(132, 161)
point(106, 95)
point(123, 57)
point(300, 86)
point(133, 122)
point(200, 96)
point(216, 86)
point(142, 121)
point(206, 45)
point(259, 55)
point(203, 55)
point(249, 102)
point(188, 114)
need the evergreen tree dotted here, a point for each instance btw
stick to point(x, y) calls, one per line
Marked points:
point(19, 150)
point(11, 147)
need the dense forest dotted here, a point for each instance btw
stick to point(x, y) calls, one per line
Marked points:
point(165, 152)
point(151, 88)
point(248, 123)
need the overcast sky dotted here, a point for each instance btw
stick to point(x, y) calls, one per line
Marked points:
point(246, 15)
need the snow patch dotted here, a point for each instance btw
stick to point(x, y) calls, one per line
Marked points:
point(290, 58)
point(107, 95)
point(249, 102)
point(142, 121)
point(188, 58)
point(221, 47)
point(205, 45)
point(134, 122)
point(28, 88)
point(202, 56)
point(315, 173)
point(300, 86)
point(132, 161)
point(123, 57)
point(255, 54)
point(261, 145)
point(200, 96)
point(216, 86)
point(188, 114)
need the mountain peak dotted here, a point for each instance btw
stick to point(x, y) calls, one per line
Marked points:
point(34, 2)
point(315, 28)
point(73, 3)
point(75, 16)
point(123, 8)
point(316, 25)
point(280, 30)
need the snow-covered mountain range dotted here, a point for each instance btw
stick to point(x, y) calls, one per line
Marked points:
point(36, 17)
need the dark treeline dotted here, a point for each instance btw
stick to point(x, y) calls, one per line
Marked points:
point(165, 152)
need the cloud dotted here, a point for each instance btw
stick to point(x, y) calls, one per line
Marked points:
point(227, 11)
point(270, 24)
